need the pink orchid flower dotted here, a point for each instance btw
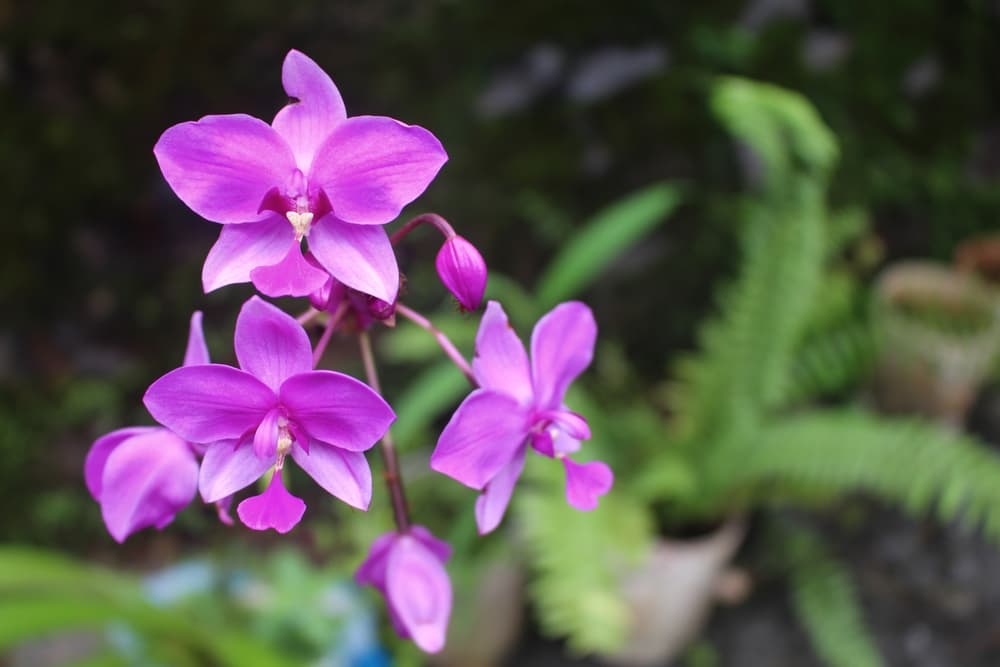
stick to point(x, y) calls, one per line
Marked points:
point(520, 403)
point(273, 406)
point(312, 173)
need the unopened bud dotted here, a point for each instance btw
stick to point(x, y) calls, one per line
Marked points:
point(463, 271)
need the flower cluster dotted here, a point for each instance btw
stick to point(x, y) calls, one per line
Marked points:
point(303, 202)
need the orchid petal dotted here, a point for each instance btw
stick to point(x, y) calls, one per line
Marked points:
point(292, 276)
point(222, 166)
point(585, 482)
point(148, 478)
point(337, 409)
point(197, 351)
point(209, 403)
point(562, 346)
point(317, 109)
point(270, 344)
point(345, 475)
point(275, 508)
point(97, 457)
point(358, 256)
point(372, 166)
point(501, 363)
point(372, 571)
point(242, 248)
point(492, 503)
point(481, 438)
point(419, 593)
point(265, 438)
point(227, 468)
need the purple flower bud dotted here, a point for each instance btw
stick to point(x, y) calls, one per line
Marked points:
point(463, 271)
point(408, 569)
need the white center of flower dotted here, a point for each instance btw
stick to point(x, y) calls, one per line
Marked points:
point(300, 222)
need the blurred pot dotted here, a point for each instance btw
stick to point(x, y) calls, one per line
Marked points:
point(980, 255)
point(940, 334)
point(671, 594)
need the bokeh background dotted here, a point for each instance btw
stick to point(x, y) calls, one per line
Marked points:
point(551, 112)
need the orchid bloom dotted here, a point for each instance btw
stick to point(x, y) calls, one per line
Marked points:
point(520, 403)
point(144, 475)
point(408, 569)
point(274, 405)
point(312, 173)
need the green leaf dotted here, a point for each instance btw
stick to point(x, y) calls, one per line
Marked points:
point(602, 239)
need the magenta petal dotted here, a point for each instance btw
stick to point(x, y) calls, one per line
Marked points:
point(419, 593)
point(97, 457)
point(358, 256)
point(270, 344)
point(197, 350)
point(585, 482)
point(372, 166)
point(292, 276)
point(562, 346)
point(492, 503)
point(222, 166)
point(501, 364)
point(307, 122)
point(148, 478)
point(275, 508)
point(209, 403)
point(481, 438)
point(372, 571)
point(242, 248)
point(337, 409)
point(227, 468)
point(265, 439)
point(440, 548)
point(345, 475)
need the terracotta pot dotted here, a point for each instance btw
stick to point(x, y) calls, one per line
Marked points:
point(939, 336)
point(671, 594)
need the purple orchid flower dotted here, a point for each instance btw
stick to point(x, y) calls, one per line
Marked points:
point(144, 475)
point(521, 403)
point(463, 271)
point(313, 172)
point(274, 405)
point(408, 569)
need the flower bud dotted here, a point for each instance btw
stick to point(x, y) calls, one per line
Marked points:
point(408, 569)
point(463, 271)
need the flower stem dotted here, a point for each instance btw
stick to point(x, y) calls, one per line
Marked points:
point(423, 219)
point(324, 340)
point(445, 342)
point(393, 479)
point(307, 316)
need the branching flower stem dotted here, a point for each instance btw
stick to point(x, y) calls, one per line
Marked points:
point(423, 219)
point(393, 479)
point(443, 340)
point(331, 325)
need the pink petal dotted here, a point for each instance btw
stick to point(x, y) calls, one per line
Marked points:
point(265, 439)
point(501, 364)
point(463, 271)
point(585, 482)
point(97, 457)
point(562, 346)
point(337, 409)
point(292, 276)
point(345, 475)
point(419, 592)
point(197, 350)
point(492, 503)
point(148, 478)
point(209, 403)
point(307, 122)
point(222, 166)
point(227, 468)
point(270, 344)
point(358, 256)
point(440, 548)
point(371, 167)
point(242, 248)
point(481, 438)
point(372, 571)
point(275, 508)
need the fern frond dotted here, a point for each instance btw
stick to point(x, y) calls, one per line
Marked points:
point(915, 464)
point(832, 361)
point(577, 557)
point(826, 603)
